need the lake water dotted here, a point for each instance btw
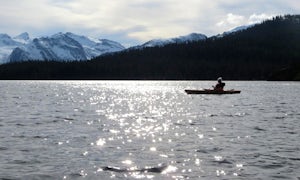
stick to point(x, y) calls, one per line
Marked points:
point(148, 130)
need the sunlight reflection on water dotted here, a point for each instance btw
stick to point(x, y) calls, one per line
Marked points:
point(145, 129)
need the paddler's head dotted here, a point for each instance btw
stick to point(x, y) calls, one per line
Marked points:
point(220, 79)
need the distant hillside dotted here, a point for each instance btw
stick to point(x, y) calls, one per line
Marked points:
point(260, 52)
point(291, 73)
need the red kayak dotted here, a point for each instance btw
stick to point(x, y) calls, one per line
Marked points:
point(211, 91)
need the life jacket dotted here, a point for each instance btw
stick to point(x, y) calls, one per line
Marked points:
point(220, 86)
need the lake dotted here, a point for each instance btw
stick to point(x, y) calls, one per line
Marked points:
point(148, 130)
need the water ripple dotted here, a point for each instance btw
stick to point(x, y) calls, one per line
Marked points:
point(126, 129)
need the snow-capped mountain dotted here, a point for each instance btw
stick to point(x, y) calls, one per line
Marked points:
point(57, 47)
point(181, 39)
point(70, 47)
point(6, 40)
point(240, 28)
point(8, 44)
point(96, 47)
point(234, 30)
point(22, 38)
point(64, 47)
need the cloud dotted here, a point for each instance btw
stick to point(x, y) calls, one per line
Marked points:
point(136, 20)
point(256, 18)
point(232, 20)
point(167, 18)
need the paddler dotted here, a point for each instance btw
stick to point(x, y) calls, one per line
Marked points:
point(220, 85)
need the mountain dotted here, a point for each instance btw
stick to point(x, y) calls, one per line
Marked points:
point(63, 47)
point(58, 47)
point(23, 48)
point(6, 40)
point(96, 47)
point(181, 39)
point(269, 50)
point(8, 44)
point(254, 53)
point(22, 38)
point(71, 47)
point(234, 30)
point(239, 28)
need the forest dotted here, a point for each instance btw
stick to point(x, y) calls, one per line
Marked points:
point(267, 51)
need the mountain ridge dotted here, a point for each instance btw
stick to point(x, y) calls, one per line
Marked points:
point(180, 39)
point(63, 47)
point(55, 47)
point(256, 53)
point(92, 47)
point(23, 48)
point(8, 44)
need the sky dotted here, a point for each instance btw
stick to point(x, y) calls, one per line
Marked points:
point(133, 22)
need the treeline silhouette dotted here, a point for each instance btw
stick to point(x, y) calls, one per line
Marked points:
point(267, 51)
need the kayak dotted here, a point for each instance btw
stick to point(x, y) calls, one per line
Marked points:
point(211, 91)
